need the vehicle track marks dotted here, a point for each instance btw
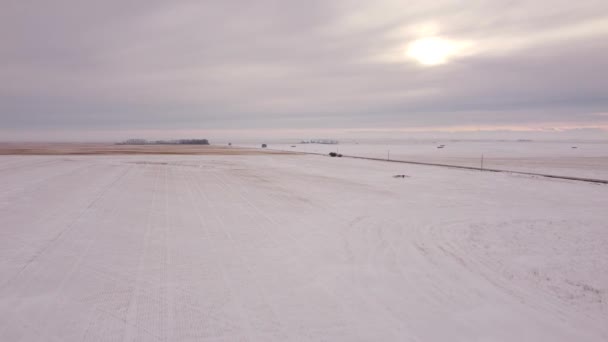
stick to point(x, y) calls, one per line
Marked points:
point(67, 229)
point(131, 324)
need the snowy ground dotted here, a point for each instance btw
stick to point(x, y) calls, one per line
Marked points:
point(588, 159)
point(295, 248)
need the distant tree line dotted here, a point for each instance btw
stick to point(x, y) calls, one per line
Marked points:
point(320, 141)
point(165, 142)
point(193, 142)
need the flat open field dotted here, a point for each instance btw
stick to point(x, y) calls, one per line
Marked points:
point(574, 159)
point(112, 149)
point(286, 247)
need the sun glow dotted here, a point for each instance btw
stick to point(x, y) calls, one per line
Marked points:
point(434, 50)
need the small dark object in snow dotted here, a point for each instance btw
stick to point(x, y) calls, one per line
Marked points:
point(293, 145)
point(574, 147)
point(400, 176)
point(264, 146)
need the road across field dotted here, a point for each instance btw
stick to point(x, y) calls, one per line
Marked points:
point(589, 160)
point(295, 248)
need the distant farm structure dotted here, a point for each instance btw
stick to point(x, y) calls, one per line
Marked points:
point(165, 142)
point(320, 141)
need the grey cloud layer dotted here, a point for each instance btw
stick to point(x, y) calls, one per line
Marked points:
point(288, 64)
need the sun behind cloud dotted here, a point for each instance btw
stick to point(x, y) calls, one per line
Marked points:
point(432, 51)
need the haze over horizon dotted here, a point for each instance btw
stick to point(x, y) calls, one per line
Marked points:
point(107, 70)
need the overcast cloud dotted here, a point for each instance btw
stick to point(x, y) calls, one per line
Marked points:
point(181, 66)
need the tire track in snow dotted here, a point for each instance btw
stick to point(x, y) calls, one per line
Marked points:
point(305, 252)
point(445, 279)
point(169, 280)
point(68, 229)
point(434, 282)
point(262, 232)
point(243, 318)
point(5, 194)
point(210, 241)
point(43, 216)
point(50, 246)
point(330, 211)
point(43, 163)
point(450, 244)
point(81, 257)
point(131, 324)
point(108, 320)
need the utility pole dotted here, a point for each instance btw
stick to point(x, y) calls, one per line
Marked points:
point(481, 168)
point(388, 155)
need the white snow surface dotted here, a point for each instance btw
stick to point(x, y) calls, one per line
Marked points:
point(296, 248)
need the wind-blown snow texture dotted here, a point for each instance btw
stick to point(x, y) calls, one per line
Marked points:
point(296, 248)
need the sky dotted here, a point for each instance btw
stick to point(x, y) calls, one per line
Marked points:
point(117, 69)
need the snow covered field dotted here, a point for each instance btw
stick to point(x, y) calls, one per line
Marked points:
point(587, 159)
point(296, 248)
